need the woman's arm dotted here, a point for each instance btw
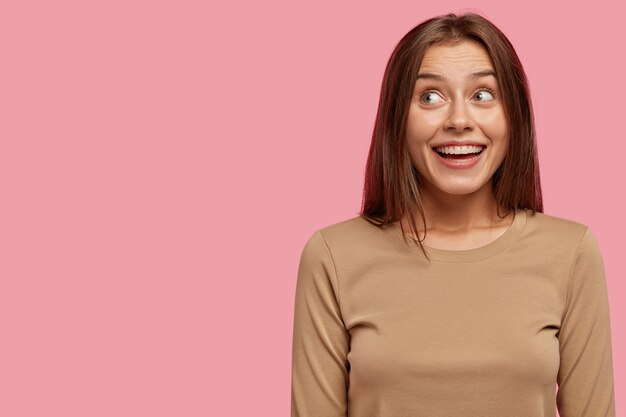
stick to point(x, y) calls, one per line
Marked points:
point(585, 375)
point(321, 342)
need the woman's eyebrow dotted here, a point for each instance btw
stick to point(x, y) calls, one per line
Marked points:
point(473, 75)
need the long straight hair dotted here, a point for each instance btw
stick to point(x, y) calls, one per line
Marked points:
point(391, 189)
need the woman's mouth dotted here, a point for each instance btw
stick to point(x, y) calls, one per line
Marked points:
point(459, 152)
point(459, 157)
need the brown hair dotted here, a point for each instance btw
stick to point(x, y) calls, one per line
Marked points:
point(391, 188)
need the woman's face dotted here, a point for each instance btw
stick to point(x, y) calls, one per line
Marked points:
point(456, 101)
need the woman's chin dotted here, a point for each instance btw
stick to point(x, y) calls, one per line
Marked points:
point(459, 188)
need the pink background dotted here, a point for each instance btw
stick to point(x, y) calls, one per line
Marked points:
point(163, 164)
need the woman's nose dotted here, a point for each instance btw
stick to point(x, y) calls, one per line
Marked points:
point(459, 118)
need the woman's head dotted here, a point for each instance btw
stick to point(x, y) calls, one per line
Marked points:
point(456, 128)
point(392, 181)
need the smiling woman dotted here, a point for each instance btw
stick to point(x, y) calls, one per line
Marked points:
point(486, 307)
point(456, 128)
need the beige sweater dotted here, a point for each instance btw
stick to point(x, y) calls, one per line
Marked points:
point(487, 332)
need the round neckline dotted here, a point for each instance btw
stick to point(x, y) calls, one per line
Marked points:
point(503, 241)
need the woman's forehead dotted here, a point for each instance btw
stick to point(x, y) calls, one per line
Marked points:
point(465, 56)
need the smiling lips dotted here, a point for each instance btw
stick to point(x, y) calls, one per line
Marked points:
point(459, 152)
point(459, 157)
point(446, 151)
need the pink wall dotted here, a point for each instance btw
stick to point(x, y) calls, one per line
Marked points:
point(163, 163)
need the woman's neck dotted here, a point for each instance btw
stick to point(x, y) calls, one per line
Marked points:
point(452, 213)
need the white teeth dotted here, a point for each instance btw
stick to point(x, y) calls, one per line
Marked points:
point(459, 150)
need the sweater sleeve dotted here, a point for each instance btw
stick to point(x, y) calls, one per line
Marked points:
point(585, 376)
point(319, 378)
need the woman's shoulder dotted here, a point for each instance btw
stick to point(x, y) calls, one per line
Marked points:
point(353, 232)
point(554, 222)
point(554, 228)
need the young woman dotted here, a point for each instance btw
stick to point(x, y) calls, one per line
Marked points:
point(483, 306)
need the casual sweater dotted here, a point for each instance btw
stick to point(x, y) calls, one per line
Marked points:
point(379, 331)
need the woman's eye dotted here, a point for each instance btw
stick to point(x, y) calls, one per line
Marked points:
point(484, 95)
point(430, 97)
